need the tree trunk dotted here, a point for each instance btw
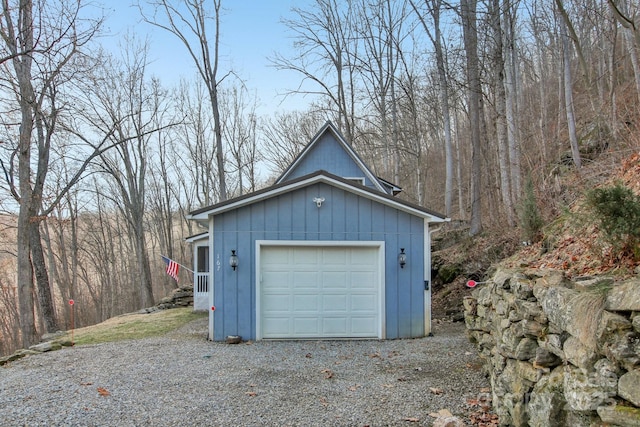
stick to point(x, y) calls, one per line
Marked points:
point(474, 91)
point(511, 105)
point(500, 111)
point(22, 63)
point(568, 97)
point(45, 296)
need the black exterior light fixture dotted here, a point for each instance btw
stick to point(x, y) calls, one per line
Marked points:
point(402, 258)
point(233, 260)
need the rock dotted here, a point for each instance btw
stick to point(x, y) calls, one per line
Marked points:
point(527, 309)
point(509, 342)
point(502, 278)
point(582, 419)
point(617, 340)
point(529, 328)
point(470, 305)
point(19, 354)
point(624, 297)
point(522, 287)
point(629, 387)
point(636, 323)
point(526, 349)
point(481, 311)
point(448, 422)
point(557, 305)
point(233, 339)
point(501, 307)
point(546, 359)
point(53, 335)
point(546, 407)
point(579, 355)
point(46, 346)
point(620, 415)
point(586, 391)
point(458, 317)
point(551, 279)
point(553, 343)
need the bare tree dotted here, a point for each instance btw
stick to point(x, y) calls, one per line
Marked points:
point(188, 21)
point(127, 106)
point(434, 8)
point(568, 94)
point(470, 30)
point(49, 35)
point(238, 112)
point(325, 48)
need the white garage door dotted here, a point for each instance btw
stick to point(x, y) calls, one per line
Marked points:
point(319, 292)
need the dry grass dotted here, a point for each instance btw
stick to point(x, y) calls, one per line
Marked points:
point(136, 326)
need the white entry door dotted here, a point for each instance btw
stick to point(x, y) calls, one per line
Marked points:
point(320, 292)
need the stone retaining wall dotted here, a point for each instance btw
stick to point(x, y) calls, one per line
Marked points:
point(559, 353)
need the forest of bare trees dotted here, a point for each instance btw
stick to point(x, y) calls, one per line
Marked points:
point(457, 102)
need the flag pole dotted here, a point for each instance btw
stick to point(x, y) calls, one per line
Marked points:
point(186, 268)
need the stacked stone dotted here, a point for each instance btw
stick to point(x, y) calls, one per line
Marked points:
point(179, 297)
point(559, 352)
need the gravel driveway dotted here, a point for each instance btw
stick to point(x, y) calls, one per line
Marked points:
point(182, 379)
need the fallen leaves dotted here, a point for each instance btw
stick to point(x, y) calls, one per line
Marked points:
point(103, 392)
point(436, 390)
point(412, 419)
point(442, 413)
point(482, 416)
point(328, 373)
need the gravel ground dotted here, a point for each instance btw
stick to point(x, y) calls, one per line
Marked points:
point(182, 379)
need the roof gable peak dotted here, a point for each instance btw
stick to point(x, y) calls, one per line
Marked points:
point(301, 164)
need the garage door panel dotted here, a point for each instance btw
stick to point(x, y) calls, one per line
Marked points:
point(364, 303)
point(277, 326)
point(276, 303)
point(363, 280)
point(305, 303)
point(320, 292)
point(304, 256)
point(334, 279)
point(364, 256)
point(335, 303)
point(305, 279)
point(335, 326)
point(363, 326)
point(275, 256)
point(306, 327)
point(278, 280)
point(332, 257)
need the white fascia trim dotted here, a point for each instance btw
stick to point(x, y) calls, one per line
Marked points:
point(379, 244)
point(312, 180)
point(197, 238)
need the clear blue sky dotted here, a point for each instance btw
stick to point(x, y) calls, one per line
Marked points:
point(250, 32)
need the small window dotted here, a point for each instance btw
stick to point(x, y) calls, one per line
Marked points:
point(203, 259)
point(356, 180)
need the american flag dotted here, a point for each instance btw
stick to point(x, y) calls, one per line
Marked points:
point(172, 267)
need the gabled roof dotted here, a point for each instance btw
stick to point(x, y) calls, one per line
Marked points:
point(310, 179)
point(197, 237)
point(329, 127)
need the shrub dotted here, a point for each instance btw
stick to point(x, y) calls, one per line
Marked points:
point(616, 211)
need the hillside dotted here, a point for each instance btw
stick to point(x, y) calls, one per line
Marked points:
point(570, 241)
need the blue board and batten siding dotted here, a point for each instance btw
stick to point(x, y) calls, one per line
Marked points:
point(293, 216)
point(328, 151)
